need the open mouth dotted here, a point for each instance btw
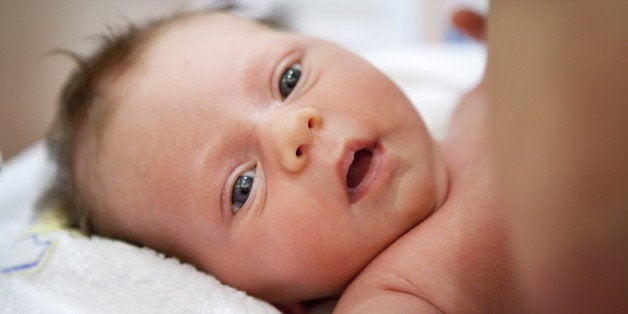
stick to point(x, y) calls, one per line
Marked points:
point(359, 167)
point(366, 170)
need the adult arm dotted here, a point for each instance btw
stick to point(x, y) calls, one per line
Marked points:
point(558, 117)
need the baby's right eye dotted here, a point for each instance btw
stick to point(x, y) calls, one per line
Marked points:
point(289, 80)
point(241, 190)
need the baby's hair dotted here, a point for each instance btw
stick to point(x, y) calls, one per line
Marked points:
point(80, 106)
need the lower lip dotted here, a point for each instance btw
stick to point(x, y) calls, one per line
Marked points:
point(374, 178)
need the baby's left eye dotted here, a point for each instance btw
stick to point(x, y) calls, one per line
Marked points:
point(241, 190)
point(289, 80)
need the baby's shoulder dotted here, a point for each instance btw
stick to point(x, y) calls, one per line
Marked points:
point(388, 283)
point(456, 259)
point(405, 270)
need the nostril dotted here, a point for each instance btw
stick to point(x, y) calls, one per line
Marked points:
point(314, 121)
point(299, 152)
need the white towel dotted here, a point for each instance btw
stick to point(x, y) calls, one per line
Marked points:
point(65, 274)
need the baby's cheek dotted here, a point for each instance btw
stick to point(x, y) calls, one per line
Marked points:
point(311, 269)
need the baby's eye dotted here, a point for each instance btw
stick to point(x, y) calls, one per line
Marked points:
point(289, 80)
point(241, 190)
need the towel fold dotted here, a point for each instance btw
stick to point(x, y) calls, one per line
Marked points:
point(63, 272)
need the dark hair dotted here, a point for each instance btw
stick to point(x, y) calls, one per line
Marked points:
point(78, 107)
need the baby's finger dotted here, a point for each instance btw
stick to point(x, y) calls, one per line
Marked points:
point(470, 23)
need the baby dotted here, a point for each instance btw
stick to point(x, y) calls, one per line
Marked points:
point(284, 165)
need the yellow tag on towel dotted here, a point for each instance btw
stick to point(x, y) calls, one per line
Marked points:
point(29, 254)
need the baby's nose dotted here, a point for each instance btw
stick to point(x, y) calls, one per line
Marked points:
point(291, 135)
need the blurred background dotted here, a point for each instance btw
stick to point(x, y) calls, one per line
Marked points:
point(30, 80)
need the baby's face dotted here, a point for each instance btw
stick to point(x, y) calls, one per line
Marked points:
point(220, 153)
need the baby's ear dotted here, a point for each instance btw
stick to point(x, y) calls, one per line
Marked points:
point(470, 23)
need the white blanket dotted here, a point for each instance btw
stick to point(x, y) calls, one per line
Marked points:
point(45, 270)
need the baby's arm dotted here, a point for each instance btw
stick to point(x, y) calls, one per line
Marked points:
point(385, 301)
point(558, 88)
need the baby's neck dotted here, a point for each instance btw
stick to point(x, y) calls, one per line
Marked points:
point(465, 149)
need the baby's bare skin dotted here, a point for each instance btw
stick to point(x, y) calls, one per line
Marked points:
point(203, 108)
point(436, 265)
point(213, 114)
point(206, 106)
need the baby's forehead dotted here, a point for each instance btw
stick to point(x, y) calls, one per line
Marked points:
point(221, 28)
point(221, 36)
point(200, 57)
point(215, 37)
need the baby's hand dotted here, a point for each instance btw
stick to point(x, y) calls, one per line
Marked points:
point(470, 23)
